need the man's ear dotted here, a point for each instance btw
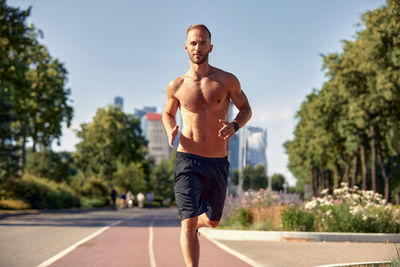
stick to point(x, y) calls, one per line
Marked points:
point(211, 48)
point(185, 46)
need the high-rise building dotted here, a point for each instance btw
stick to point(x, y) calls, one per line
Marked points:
point(252, 150)
point(141, 114)
point(158, 147)
point(252, 147)
point(119, 101)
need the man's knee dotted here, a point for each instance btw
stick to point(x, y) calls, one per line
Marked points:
point(213, 224)
point(189, 225)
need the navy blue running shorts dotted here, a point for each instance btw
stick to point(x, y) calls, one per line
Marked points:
point(200, 185)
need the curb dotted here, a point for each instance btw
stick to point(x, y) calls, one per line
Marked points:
point(375, 263)
point(249, 235)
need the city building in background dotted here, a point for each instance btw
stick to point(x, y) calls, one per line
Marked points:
point(141, 114)
point(253, 148)
point(158, 147)
point(119, 101)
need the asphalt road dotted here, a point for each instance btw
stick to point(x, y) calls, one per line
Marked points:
point(30, 239)
point(142, 237)
point(138, 237)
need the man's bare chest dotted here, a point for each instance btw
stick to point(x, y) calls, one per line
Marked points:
point(197, 95)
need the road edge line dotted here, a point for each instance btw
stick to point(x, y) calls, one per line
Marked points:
point(69, 249)
point(235, 253)
point(151, 250)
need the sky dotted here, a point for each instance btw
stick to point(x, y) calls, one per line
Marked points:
point(133, 49)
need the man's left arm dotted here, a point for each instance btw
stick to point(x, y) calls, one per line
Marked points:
point(240, 100)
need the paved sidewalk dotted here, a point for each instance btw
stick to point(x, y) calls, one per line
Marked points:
point(307, 254)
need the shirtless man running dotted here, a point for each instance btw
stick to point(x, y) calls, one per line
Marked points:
point(201, 169)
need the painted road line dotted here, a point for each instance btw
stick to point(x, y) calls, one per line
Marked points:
point(235, 253)
point(151, 250)
point(375, 263)
point(69, 249)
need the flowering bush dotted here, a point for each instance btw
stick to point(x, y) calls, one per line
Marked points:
point(256, 210)
point(347, 210)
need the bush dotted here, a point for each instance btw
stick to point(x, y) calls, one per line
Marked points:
point(347, 210)
point(260, 210)
point(93, 202)
point(41, 193)
point(14, 204)
point(294, 219)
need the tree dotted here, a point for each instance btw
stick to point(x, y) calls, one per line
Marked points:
point(51, 165)
point(112, 138)
point(13, 41)
point(356, 113)
point(254, 177)
point(277, 182)
point(162, 179)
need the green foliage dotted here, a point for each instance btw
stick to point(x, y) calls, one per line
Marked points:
point(50, 165)
point(42, 193)
point(162, 179)
point(277, 181)
point(241, 219)
point(355, 115)
point(112, 138)
point(254, 177)
point(347, 210)
point(130, 177)
point(33, 99)
point(88, 203)
point(295, 219)
point(13, 204)
point(95, 188)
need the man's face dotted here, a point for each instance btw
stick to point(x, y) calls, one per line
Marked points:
point(198, 45)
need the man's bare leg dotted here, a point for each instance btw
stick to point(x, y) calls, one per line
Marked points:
point(190, 245)
point(204, 221)
point(190, 242)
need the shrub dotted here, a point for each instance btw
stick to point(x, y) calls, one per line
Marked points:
point(14, 204)
point(262, 209)
point(41, 193)
point(347, 210)
point(93, 202)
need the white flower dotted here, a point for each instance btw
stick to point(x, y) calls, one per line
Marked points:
point(328, 212)
point(325, 191)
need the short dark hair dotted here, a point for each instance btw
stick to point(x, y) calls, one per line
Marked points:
point(198, 26)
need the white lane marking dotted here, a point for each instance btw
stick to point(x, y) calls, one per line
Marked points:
point(151, 250)
point(235, 253)
point(69, 249)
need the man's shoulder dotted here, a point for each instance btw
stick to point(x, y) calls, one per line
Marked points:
point(174, 85)
point(224, 74)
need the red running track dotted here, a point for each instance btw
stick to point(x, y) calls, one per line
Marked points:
point(128, 244)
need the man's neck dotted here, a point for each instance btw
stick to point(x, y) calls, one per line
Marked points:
point(198, 71)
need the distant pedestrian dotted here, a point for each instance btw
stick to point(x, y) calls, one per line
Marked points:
point(122, 201)
point(150, 198)
point(129, 199)
point(140, 198)
point(113, 195)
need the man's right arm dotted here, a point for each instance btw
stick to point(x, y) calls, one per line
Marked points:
point(171, 107)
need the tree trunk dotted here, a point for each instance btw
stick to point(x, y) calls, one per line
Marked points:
point(321, 180)
point(329, 181)
point(364, 170)
point(337, 177)
point(315, 181)
point(373, 159)
point(384, 171)
point(355, 169)
point(312, 187)
point(346, 170)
